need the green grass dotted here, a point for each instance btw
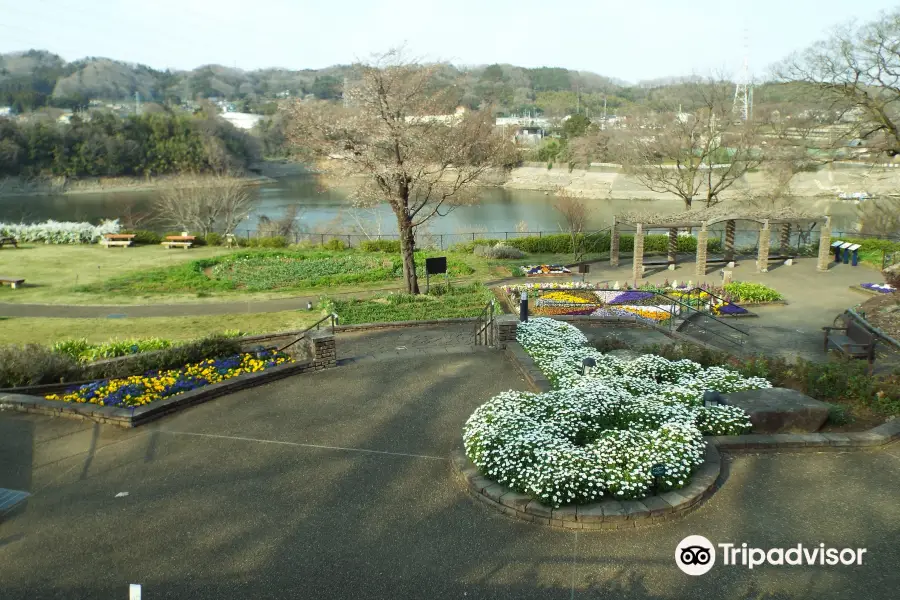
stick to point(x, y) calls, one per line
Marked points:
point(50, 331)
point(441, 303)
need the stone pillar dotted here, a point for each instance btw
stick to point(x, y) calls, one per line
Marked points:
point(702, 239)
point(673, 244)
point(729, 240)
point(785, 239)
point(637, 269)
point(824, 246)
point(765, 239)
point(614, 245)
point(322, 342)
point(505, 329)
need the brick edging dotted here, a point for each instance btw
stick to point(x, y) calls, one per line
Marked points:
point(605, 515)
point(126, 417)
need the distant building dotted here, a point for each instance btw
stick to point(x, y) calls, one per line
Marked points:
point(241, 120)
point(6, 111)
point(525, 130)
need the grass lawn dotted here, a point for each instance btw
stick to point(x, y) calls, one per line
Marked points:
point(441, 303)
point(90, 274)
point(49, 331)
point(51, 271)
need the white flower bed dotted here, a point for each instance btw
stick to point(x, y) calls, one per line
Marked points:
point(598, 435)
point(55, 232)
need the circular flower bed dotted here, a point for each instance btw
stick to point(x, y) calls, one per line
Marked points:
point(599, 434)
point(156, 385)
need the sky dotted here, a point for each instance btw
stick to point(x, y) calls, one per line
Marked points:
point(631, 41)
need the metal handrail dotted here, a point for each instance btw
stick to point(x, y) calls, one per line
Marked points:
point(705, 314)
point(484, 320)
point(332, 316)
point(723, 300)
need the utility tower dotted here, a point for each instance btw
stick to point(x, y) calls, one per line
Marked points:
point(743, 91)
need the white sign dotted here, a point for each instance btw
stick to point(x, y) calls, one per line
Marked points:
point(134, 591)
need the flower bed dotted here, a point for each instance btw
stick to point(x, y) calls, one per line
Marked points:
point(883, 288)
point(543, 270)
point(598, 435)
point(155, 385)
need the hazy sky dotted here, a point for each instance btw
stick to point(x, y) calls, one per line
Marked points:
point(634, 40)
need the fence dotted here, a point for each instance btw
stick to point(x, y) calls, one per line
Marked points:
point(443, 241)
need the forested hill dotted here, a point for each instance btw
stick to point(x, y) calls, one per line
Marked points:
point(34, 79)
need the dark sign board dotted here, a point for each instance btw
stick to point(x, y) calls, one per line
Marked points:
point(584, 268)
point(436, 265)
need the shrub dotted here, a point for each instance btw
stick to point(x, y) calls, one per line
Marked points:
point(838, 414)
point(263, 242)
point(335, 244)
point(82, 351)
point(749, 292)
point(593, 243)
point(33, 364)
point(142, 236)
point(55, 232)
point(213, 239)
point(380, 246)
point(498, 251)
point(174, 357)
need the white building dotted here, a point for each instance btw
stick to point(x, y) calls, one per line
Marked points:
point(241, 120)
point(456, 116)
point(5, 111)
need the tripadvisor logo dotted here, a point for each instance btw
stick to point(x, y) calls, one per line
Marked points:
point(696, 555)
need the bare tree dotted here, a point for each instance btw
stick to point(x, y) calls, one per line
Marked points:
point(286, 226)
point(880, 216)
point(857, 71)
point(131, 218)
point(205, 204)
point(698, 153)
point(575, 216)
point(396, 137)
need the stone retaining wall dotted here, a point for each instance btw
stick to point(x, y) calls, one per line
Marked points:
point(607, 514)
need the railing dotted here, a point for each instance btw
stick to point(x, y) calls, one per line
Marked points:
point(332, 316)
point(484, 326)
point(732, 334)
point(713, 298)
point(889, 259)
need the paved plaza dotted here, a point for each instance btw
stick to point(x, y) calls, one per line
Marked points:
point(337, 484)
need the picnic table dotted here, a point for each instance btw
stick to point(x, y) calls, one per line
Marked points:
point(13, 282)
point(117, 239)
point(9, 241)
point(179, 241)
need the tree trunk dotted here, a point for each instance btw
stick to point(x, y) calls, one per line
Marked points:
point(407, 249)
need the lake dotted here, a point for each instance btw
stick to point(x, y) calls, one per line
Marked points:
point(500, 211)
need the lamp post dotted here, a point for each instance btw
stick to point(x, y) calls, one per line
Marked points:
point(308, 305)
point(587, 365)
point(523, 307)
point(711, 398)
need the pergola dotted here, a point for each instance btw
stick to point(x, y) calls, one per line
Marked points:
point(703, 218)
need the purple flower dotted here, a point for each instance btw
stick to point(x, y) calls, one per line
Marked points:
point(882, 288)
point(732, 309)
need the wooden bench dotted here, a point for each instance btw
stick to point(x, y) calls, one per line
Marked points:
point(9, 241)
point(179, 241)
point(854, 340)
point(117, 239)
point(13, 282)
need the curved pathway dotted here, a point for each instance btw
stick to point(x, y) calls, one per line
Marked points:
point(337, 484)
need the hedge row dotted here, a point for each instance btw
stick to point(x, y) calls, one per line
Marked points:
point(591, 243)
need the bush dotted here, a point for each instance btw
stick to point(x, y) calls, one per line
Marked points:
point(33, 364)
point(838, 414)
point(82, 351)
point(749, 292)
point(174, 357)
point(335, 244)
point(593, 243)
point(498, 251)
point(54, 232)
point(142, 236)
point(213, 239)
point(380, 246)
point(277, 241)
